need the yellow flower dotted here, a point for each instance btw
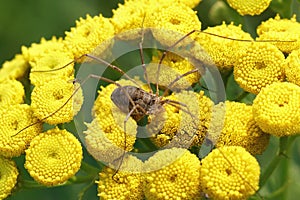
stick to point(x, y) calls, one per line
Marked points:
point(220, 49)
point(123, 185)
point(129, 16)
point(14, 69)
point(240, 129)
point(172, 174)
point(111, 118)
point(172, 66)
point(53, 157)
point(281, 30)
point(171, 22)
point(293, 67)
point(42, 49)
point(11, 92)
point(229, 173)
point(107, 146)
point(276, 109)
point(41, 69)
point(261, 64)
point(88, 34)
point(181, 127)
point(250, 7)
point(52, 102)
point(8, 178)
point(14, 118)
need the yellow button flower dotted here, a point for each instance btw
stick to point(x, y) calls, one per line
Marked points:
point(261, 64)
point(172, 174)
point(276, 109)
point(240, 129)
point(107, 145)
point(53, 103)
point(293, 67)
point(126, 184)
point(180, 126)
point(229, 173)
point(281, 30)
point(250, 7)
point(8, 178)
point(14, 69)
point(53, 157)
point(123, 21)
point(12, 92)
point(41, 69)
point(42, 49)
point(14, 118)
point(88, 34)
point(220, 49)
point(172, 66)
point(171, 22)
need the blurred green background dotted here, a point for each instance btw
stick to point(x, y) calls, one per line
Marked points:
point(23, 22)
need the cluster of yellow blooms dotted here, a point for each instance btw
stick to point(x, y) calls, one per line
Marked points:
point(230, 171)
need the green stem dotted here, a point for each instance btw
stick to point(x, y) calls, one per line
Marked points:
point(89, 168)
point(285, 144)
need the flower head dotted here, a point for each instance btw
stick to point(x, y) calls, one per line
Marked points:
point(172, 66)
point(128, 184)
point(240, 129)
point(286, 30)
point(293, 67)
point(229, 172)
point(220, 49)
point(16, 118)
point(171, 22)
point(43, 69)
point(180, 127)
point(8, 176)
point(14, 69)
point(250, 7)
point(53, 102)
point(276, 109)
point(12, 92)
point(42, 49)
point(88, 34)
point(261, 64)
point(172, 174)
point(53, 157)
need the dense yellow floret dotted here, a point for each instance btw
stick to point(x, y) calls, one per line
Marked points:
point(240, 129)
point(172, 174)
point(261, 64)
point(292, 70)
point(53, 65)
point(250, 7)
point(172, 66)
point(172, 22)
point(125, 184)
point(53, 102)
point(185, 124)
point(16, 118)
point(88, 34)
point(221, 48)
point(39, 50)
point(286, 33)
point(8, 176)
point(229, 173)
point(276, 109)
point(11, 92)
point(14, 69)
point(53, 157)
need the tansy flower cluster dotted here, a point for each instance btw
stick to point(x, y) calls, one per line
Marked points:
point(167, 163)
